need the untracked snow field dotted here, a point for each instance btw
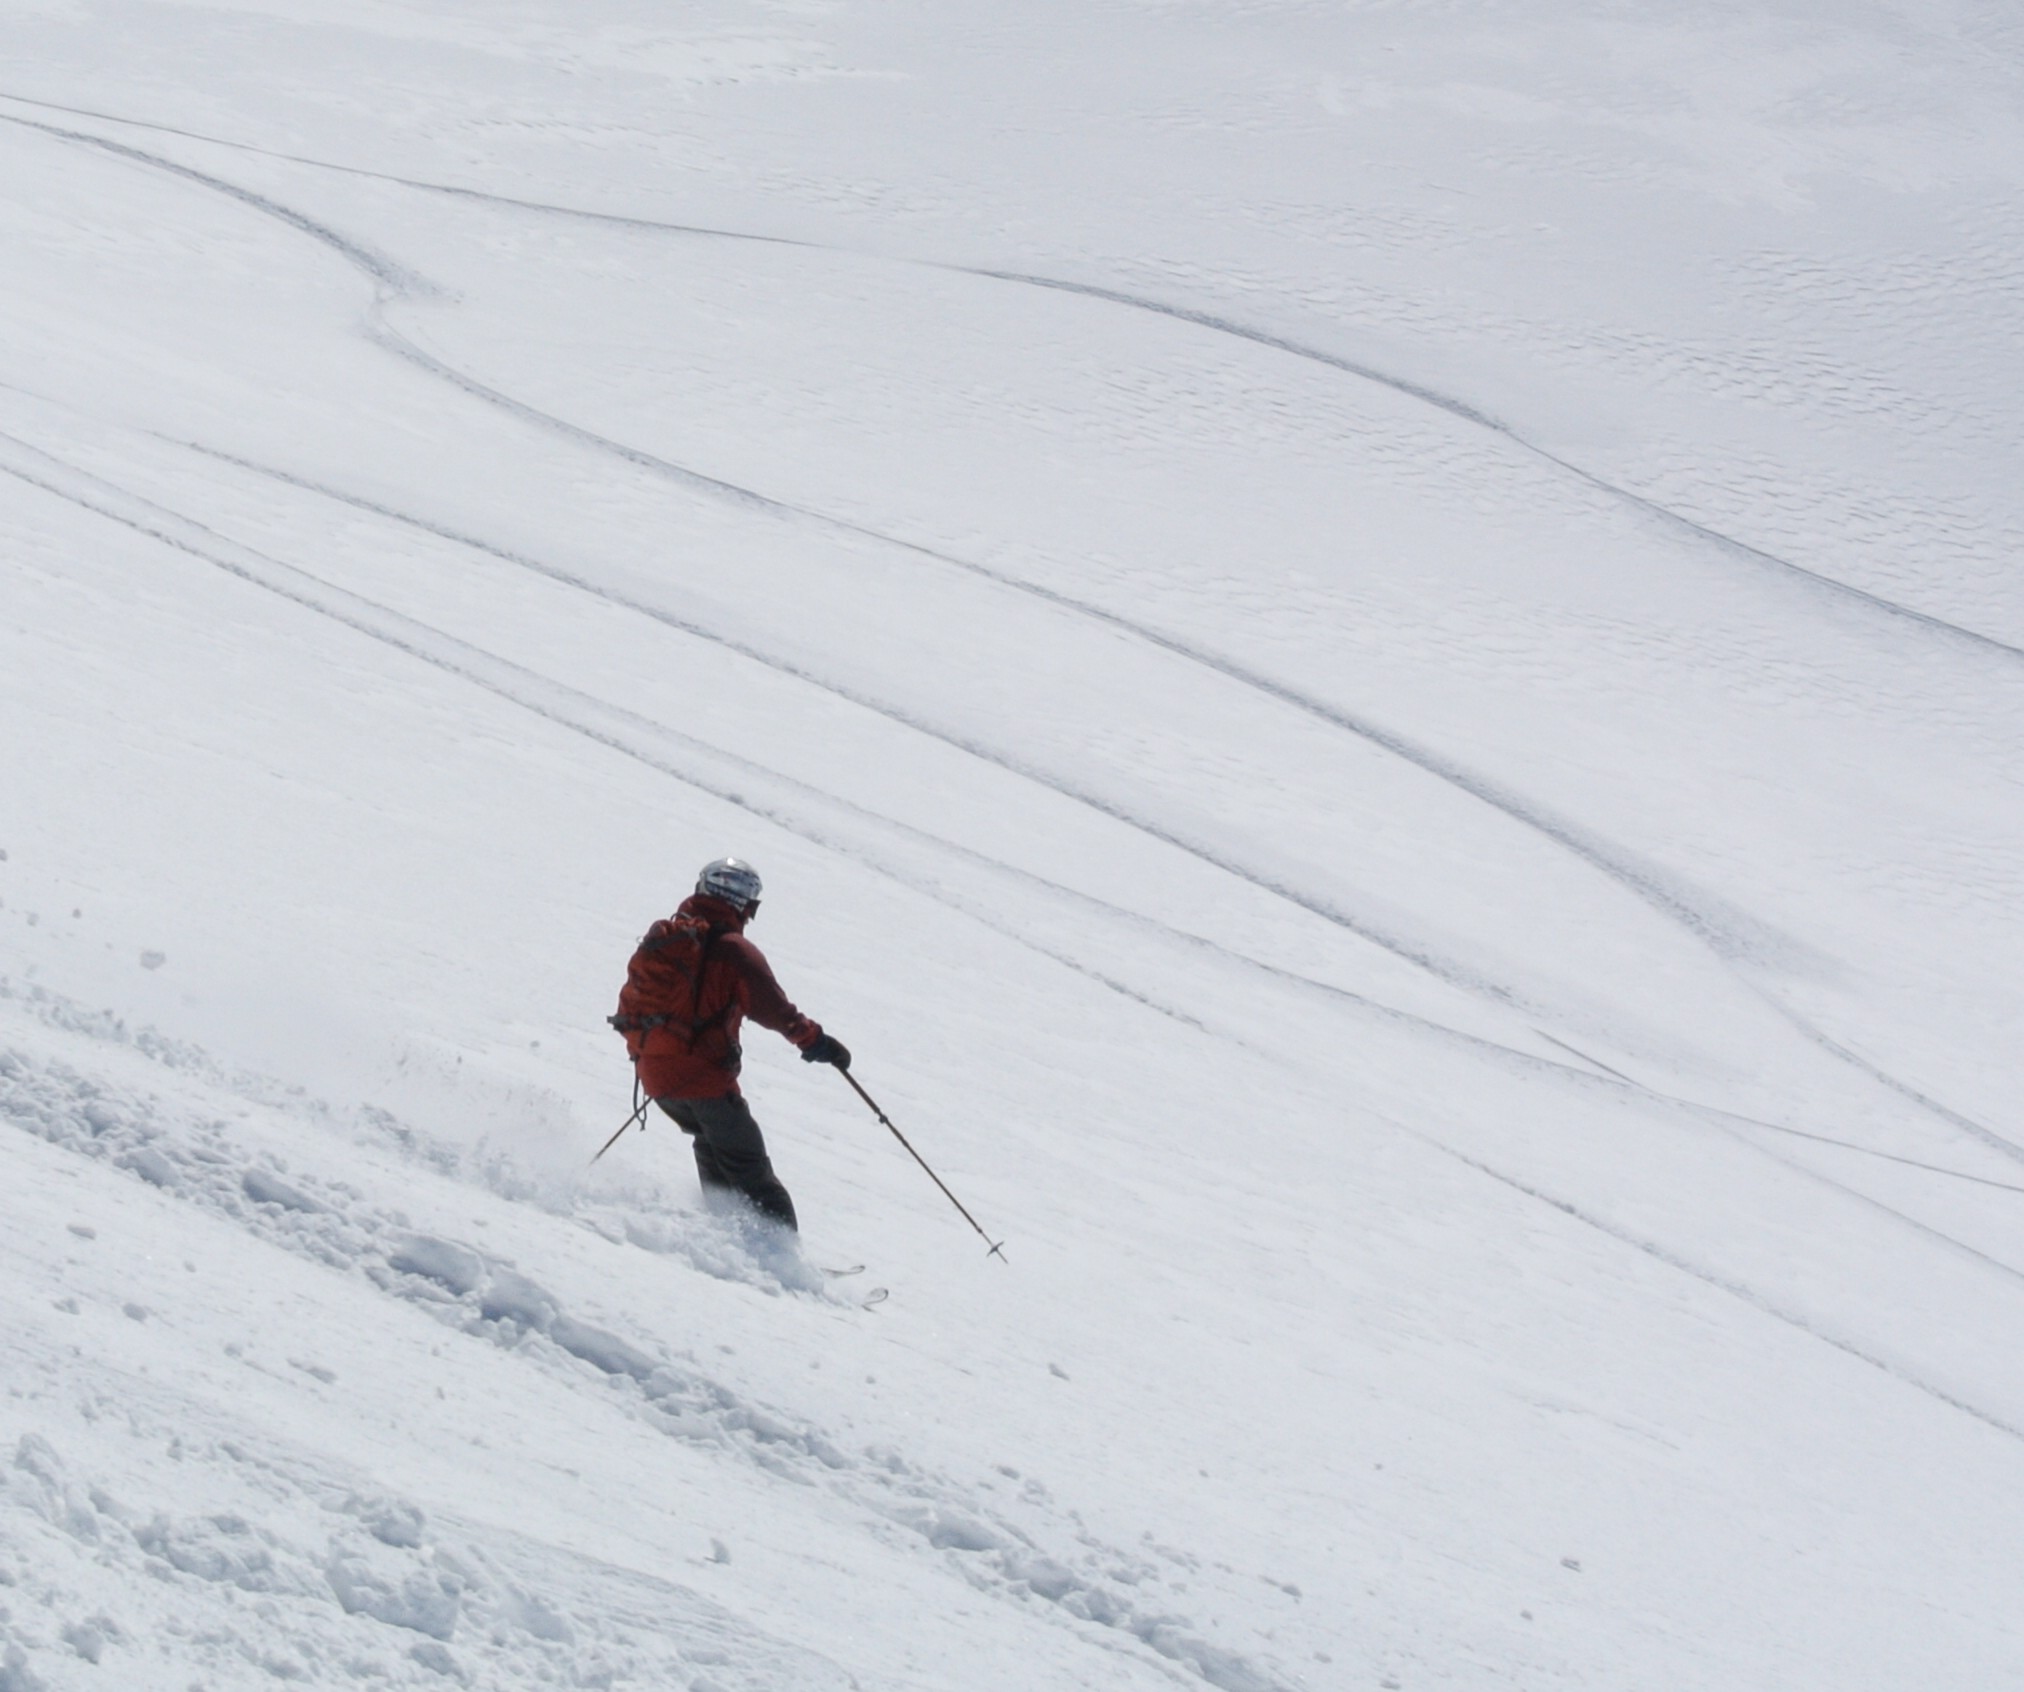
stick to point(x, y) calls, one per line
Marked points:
point(1375, 657)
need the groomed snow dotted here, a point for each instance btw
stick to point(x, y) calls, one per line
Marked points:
point(1374, 655)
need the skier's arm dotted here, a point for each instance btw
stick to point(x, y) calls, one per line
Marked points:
point(761, 997)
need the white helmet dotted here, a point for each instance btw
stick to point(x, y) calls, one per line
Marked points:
point(732, 880)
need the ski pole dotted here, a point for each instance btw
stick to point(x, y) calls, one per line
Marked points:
point(998, 1250)
point(639, 1115)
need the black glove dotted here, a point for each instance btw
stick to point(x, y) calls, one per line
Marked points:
point(826, 1048)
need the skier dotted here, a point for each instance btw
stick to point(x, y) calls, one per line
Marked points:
point(691, 981)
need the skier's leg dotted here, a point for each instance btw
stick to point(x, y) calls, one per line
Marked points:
point(708, 1172)
point(737, 1153)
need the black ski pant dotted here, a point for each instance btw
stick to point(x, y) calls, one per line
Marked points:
point(731, 1153)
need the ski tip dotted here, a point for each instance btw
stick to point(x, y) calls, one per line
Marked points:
point(873, 1299)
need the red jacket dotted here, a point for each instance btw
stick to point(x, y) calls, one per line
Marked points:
point(693, 979)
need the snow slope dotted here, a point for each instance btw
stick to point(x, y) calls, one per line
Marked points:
point(1374, 656)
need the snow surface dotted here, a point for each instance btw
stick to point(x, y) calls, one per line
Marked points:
point(1374, 654)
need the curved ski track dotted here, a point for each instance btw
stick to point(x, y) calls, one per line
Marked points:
point(392, 281)
point(568, 708)
point(1678, 521)
point(1731, 935)
point(756, 655)
point(554, 702)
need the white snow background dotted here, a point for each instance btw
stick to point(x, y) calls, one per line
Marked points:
point(1374, 656)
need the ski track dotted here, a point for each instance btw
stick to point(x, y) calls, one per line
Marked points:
point(564, 707)
point(1454, 407)
point(569, 709)
point(1089, 904)
point(1086, 904)
point(394, 281)
point(416, 643)
point(1048, 1563)
point(1676, 521)
point(1732, 936)
point(1737, 1289)
point(836, 689)
point(1448, 970)
point(1904, 1089)
point(1233, 1678)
